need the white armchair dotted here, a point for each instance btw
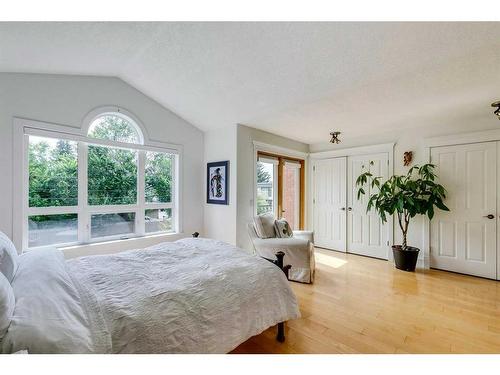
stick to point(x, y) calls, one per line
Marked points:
point(299, 252)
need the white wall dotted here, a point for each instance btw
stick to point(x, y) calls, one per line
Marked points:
point(220, 220)
point(413, 140)
point(245, 210)
point(65, 100)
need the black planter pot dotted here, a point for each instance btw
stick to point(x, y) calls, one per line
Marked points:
point(405, 260)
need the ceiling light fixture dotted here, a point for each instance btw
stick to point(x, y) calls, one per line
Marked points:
point(497, 111)
point(335, 137)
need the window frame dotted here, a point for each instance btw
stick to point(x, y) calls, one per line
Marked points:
point(280, 160)
point(24, 128)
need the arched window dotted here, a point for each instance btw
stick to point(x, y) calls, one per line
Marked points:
point(115, 127)
point(108, 184)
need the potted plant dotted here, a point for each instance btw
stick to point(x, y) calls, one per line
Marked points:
point(415, 193)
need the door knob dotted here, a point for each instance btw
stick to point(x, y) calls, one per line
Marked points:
point(349, 208)
point(342, 208)
point(490, 216)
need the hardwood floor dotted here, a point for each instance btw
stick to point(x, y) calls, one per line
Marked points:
point(364, 305)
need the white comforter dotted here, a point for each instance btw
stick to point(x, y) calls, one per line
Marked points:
point(190, 296)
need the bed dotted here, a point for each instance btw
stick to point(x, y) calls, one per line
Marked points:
point(194, 295)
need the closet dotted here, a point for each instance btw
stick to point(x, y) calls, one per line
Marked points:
point(340, 220)
point(465, 240)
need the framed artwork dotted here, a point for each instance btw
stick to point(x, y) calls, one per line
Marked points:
point(218, 182)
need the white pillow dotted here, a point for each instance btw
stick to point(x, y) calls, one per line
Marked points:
point(8, 257)
point(264, 225)
point(283, 229)
point(50, 314)
point(7, 304)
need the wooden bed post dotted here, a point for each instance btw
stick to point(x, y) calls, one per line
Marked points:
point(279, 262)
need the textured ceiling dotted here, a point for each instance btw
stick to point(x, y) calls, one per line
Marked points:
point(299, 80)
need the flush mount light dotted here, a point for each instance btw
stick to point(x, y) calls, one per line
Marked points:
point(497, 111)
point(335, 137)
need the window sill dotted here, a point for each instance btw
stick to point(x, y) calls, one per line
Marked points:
point(116, 246)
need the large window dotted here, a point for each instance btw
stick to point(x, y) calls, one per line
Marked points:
point(102, 186)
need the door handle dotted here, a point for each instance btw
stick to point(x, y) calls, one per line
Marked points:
point(490, 216)
point(349, 208)
point(342, 208)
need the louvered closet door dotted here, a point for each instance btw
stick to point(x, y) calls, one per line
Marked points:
point(329, 200)
point(464, 239)
point(366, 235)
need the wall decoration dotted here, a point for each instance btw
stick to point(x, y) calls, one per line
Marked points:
point(218, 182)
point(407, 158)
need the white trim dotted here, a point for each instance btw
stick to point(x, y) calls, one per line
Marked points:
point(113, 246)
point(83, 214)
point(354, 151)
point(281, 151)
point(178, 208)
point(463, 138)
point(140, 229)
point(63, 131)
point(34, 211)
point(95, 141)
point(22, 128)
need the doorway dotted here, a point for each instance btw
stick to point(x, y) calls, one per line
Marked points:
point(464, 239)
point(340, 220)
point(280, 187)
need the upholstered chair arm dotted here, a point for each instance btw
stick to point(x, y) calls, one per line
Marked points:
point(304, 234)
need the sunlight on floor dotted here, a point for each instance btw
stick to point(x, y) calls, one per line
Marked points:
point(329, 260)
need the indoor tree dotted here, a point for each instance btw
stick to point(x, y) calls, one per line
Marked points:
point(416, 193)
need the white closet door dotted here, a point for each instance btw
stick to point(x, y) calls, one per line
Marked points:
point(366, 235)
point(464, 239)
point(329, 179)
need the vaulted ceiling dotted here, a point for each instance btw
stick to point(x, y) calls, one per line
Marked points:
point(299, 80)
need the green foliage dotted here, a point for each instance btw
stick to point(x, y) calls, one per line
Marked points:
point(262, 174)
point(415, 193)
point(158, 175)
point(112, 176)
point(112, 172)
point(114, 128)
point(53, 174)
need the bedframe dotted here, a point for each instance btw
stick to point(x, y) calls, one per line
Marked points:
point(280, 336)
point(279, 261)
point(194, 295)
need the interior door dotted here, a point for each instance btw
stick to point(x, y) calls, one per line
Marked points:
point(366, 235)
point(464, 239)
point(329, 200)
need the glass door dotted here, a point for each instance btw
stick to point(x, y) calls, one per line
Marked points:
point(280, 182)
point(291, 193)
point(267, 185)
